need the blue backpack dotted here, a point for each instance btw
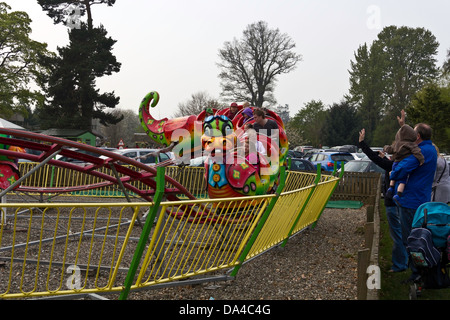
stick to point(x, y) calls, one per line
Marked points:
point(421, 249)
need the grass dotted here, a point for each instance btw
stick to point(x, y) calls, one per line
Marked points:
point(392, 286)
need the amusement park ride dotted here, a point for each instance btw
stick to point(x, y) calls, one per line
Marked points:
point(186, 234)
point(227, 171)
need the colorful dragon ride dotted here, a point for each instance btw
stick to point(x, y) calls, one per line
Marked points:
point(229, 171)
point(9, 172)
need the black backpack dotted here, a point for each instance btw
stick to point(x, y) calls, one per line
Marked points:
point(421, 249)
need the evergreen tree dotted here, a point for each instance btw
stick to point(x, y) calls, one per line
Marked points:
point(384, 77)
point(366, 88)
point(432, 106)
point(341, 125)
point(409, 62)
point(62, 11)
point(73, 100)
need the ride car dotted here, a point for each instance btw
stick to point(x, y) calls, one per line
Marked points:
point(328, 159)
point(298, 164)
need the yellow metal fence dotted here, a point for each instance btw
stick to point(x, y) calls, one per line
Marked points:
point(192, 178)
point(60, 249)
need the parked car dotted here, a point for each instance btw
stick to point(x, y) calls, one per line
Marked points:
point(198, 162)
point(294, 154)
point(359, 155)
point(138, 153)
point(308, 154)
point(107, 148)
point(346, 148)
point(298, 164)
point(327, 159)
point(303, 148)
point(76, 161)
point(364, 165)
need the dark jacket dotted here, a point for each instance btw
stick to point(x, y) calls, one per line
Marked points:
point(383, 163)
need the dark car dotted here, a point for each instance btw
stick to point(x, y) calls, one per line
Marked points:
point(365, 166)
point(362, 166)
point(294, 154)
point(328, 159)
point(298, 164)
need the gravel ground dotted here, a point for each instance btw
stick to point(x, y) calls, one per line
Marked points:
point(317, 264)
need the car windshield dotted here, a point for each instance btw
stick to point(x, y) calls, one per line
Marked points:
point(147, 158)
point(356, 166)
point(341, 157)
point(298, 165)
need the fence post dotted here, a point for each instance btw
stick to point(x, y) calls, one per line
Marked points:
point(363, 264)
point(159, 192)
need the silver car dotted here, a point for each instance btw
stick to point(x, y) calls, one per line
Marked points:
point(143, 155)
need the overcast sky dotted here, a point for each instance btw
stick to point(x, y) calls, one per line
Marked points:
point(171, 46)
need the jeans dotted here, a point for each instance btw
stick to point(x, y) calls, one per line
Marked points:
point(406, 219)
point(399, 254)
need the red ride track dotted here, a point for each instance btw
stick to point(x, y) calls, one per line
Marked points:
point(48, 145)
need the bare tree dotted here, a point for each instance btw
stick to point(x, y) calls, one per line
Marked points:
point(250, 66)
point(198, 102)
point(124, 130)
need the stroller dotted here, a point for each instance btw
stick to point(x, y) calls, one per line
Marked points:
point(428, 247)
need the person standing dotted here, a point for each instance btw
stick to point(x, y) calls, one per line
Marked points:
point(420, 179)
point(441, 182)
point(399, 254)
point(403, 147)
